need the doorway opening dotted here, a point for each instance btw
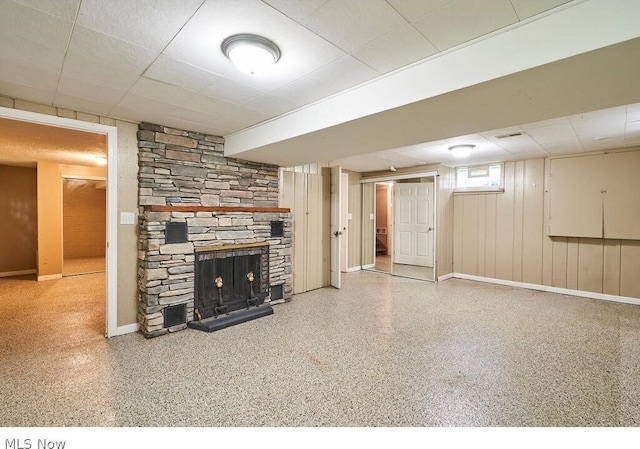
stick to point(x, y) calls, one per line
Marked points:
point(402, 217)
point(49, 123)
point(84, 232)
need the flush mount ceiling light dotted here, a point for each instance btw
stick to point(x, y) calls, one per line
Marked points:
point(250, 53)
point(461, 150)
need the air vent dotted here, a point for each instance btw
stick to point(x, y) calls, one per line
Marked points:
point(506, 136)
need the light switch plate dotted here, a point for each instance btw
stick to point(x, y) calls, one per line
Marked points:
point(127, 218)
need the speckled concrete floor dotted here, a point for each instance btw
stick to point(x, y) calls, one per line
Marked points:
point(383, 351)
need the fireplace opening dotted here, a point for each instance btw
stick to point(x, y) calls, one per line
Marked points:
point(231, 284)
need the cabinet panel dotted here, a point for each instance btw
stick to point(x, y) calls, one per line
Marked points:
point(575, 200)
point(622, 198)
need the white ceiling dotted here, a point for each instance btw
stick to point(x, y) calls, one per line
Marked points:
point(160, 61)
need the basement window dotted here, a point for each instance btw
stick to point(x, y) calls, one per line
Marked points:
point(480, 178)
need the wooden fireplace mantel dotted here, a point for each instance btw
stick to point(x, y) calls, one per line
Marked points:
point(158, 208)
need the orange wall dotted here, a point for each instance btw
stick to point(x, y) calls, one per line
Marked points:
point(18, 226)
point(49, 220)
point(84, 218)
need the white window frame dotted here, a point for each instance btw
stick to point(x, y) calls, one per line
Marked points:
point(481, 189)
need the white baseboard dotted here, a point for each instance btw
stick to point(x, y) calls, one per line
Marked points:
point(122, 330)
point(366, 267)
point(444, 277)
point(544, 288)
point(352, 269)
point(50, 277)
point(7, 274)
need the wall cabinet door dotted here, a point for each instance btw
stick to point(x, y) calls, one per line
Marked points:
point(575, 198)
point(595, 196)
point(622, 196)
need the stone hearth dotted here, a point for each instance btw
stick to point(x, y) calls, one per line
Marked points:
point(185, 178)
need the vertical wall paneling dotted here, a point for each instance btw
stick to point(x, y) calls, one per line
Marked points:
point(446, 182)
point(470, 235)
point(518, 217)
point(559, 262)
point(572, 263)
point(368, 224)
point(621, 198)
point(629, 263)
point(533, 221)
point(481, 235)
point(590, 260)
point(611, 271)
point(299, 234)
point(504, 225)
point(490, 236)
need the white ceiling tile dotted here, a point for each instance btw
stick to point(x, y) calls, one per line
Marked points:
point(462, 20)
point(343, 73)
point(231, 92)
point(632, 133)
point(304, 91)
point(198, 43)
point(28, 93)
point(108, 95)
point(65, 9)
point(598, 128)
point(177, 96)
point(546, 134)
point(17, 51)
point(83, 104)
point(563, 147)
point(132, 104)
point(529, 8)
point(296, 9)
point(415, 9)
point(178, 73)
point(95, 47)
point(78, 68)
point(147, 23)
point(352, 24)
point(396, 49)
point(19, 21)
point(620, 111)
point(29, 77)
point(598, 145)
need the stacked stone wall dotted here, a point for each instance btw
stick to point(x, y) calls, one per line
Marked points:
point(182, 168)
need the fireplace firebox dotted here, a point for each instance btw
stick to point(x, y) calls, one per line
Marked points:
point(231, 285)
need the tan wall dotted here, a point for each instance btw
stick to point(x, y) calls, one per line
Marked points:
point(501, 235)
point(127, 199)
point(18, 226)
point(84, 217)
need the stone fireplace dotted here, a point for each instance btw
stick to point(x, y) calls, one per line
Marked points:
point(197, 206)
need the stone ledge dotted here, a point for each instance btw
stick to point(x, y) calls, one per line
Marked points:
point(161, 208)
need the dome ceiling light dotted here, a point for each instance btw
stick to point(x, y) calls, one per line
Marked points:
point(461, 150)
point(250, 53)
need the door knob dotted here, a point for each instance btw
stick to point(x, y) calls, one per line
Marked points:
point(429, 229)
point(337, 233)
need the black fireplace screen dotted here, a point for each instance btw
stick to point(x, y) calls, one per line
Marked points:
point(243, 274)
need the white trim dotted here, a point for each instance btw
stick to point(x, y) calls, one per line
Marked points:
point(444, 277)
point(392, 177)
point(7, 274)
point(366, 267)
point(126, 329)
point(111, 133)
point(49, 277)
point(352, 269)
point(544, 288)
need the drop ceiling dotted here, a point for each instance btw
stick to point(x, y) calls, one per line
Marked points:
point(160, 61)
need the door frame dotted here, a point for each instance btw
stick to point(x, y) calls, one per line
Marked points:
point(393, 177)
point(111, 133)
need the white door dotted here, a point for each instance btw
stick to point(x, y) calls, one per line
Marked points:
point(336, 225)
point(413, 224)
